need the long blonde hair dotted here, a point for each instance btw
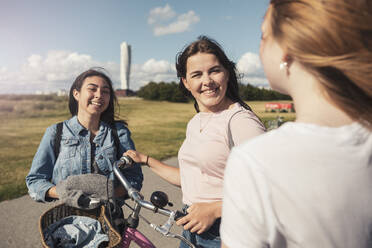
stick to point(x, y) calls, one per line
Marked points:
point(332, 39)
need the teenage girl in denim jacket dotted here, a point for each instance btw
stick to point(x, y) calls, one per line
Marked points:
point(87, 142)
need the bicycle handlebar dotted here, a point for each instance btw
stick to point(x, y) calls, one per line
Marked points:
point(134, 194)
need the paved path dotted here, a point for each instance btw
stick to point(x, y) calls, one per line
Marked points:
point(19, 217)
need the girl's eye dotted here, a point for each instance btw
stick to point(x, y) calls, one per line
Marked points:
point(215, 70)
point(195, 75)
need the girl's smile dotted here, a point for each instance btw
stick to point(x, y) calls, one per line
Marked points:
point(207, 80)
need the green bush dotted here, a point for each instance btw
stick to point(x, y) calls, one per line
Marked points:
point(162, 92)
point(251, 93)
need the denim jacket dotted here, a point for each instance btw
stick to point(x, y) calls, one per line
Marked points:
point(75, 156)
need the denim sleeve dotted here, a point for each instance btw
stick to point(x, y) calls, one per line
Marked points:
point(134, 174)
point(38, 180)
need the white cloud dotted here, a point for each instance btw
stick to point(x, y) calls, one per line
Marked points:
point(153, 66)
point(34, 60)
point(160, 14)
point(250, 66)
point(152, 70)
point(162, 21)
point(58, 69)
point(55, 66)
point(4, 74)
point(249, 63)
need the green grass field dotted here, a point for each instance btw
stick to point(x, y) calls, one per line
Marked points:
point(158, 129)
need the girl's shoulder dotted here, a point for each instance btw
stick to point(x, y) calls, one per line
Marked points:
point(56, 127)
point(120, 127)
point(239, 115)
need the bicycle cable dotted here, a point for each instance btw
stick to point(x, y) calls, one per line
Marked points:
point(148, 222)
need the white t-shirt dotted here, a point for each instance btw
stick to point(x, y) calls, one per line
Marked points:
point(204, 152)
point(300, 185)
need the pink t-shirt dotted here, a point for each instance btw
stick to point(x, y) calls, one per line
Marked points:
point(203, 154)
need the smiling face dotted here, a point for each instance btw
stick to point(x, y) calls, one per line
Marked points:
point(93, 97)
point(207, 81)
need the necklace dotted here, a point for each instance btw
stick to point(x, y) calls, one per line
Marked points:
point(201, 128)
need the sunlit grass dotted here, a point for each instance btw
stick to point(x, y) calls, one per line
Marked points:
point(158, 129)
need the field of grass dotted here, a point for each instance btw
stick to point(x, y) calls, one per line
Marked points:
point(158, 129)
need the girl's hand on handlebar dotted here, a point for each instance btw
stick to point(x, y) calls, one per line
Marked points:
point(200, 216)
point(136, 156)
point(52, 193)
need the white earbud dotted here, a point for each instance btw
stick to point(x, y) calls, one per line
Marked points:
point(283, 65)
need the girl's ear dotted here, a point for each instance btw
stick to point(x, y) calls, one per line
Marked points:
point(184, 81)
point(287, 58)
point(76, 94)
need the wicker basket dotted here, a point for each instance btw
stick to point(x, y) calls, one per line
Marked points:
point(61, 211)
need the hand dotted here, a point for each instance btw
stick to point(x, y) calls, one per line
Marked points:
point(136, 156)
point(52, 193)
point(200, 217)
point(76, 188)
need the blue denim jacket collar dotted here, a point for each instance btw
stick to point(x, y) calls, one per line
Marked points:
point(77, 128)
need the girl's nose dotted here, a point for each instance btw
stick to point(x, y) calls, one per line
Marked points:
point(206, 79)
point(98, 93)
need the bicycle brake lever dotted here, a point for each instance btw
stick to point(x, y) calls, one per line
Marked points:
point(168, 234)
point(165, 228)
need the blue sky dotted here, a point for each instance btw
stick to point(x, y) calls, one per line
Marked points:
point(45, 44)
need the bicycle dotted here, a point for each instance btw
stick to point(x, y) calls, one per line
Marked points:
point(158, 201)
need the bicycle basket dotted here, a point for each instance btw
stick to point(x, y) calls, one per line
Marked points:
point(61, 211)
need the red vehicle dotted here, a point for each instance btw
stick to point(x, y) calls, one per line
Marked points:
point(279, 107)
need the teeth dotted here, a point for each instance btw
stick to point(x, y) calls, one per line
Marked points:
point(209, 91)
point(96, 103)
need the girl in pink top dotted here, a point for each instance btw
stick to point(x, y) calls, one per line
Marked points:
point(222, 121)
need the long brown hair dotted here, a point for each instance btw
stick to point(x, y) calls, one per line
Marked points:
point(332, 39)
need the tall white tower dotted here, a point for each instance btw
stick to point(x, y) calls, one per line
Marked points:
point(125, 65)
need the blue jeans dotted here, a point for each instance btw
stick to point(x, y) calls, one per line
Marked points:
point(208, 239)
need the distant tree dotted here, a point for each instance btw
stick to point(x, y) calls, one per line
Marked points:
point(249, 92)
point(171, 92)
point(149, 92)
point(162, 92)
point(165, 91)
point(178, 95)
